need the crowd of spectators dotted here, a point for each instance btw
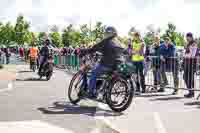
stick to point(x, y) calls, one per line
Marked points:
point(160, 57)
point(163, 58)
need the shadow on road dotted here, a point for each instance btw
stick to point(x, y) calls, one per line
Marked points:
point(167, 98)
point(31, 79)
point(192, 103)
point(153, 95)
point(70, 73)
point(67, 108)
point(25, 71)
point(66, 70)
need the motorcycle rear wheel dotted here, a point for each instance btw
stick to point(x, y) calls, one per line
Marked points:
point(126, 100)
point(48, 76)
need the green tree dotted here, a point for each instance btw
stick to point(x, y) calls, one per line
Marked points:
point(6, 33)
point(175, 36)
point(149, 35)
point(148, 38)
point(21, 30)
point(66, 40)
point(71, 37)
point(41, 37)
point(98, 31)
point(85, 34)
point(56, 39)
point(179, 40)
point(31, 37)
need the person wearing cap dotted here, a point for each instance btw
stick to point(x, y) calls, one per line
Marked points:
point(190, 56)
point(169, 63)
point(155, 53)
point(138, 60)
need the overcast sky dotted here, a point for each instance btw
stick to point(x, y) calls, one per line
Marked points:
point(123, 14)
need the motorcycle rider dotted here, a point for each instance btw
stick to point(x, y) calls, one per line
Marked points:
point(33, 53)
point(44, 54)
point(110, 51)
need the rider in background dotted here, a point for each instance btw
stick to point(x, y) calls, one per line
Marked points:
point(44, 54)
point(110, 51)
point(33, 53)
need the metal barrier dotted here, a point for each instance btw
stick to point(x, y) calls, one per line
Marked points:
point(174, 73)
point(67, 61)
point(2, 59)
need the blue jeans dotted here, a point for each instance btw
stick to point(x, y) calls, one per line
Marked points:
point(97, 71)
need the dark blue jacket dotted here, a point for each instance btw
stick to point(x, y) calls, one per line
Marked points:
point(167, 52)
point(171, 64)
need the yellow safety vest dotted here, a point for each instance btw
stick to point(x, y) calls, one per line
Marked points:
point(137, 57)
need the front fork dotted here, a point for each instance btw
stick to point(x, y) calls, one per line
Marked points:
point(85, 82)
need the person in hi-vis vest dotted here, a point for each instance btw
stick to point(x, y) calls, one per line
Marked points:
point(138, 60)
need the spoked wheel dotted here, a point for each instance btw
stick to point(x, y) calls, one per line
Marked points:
point(75, 87)
point(198, 73)
point(120, 95)
point(33, 68)
point(48, 77)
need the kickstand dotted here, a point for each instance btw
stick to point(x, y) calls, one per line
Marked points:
point(198, 97)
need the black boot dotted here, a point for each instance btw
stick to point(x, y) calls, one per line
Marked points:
point(137, 92)
point(144, 91)
point(143, 88)
point(175, 92)
point(161, 90)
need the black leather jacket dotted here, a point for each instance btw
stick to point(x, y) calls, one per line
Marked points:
point(110, 51)
point(45, 52)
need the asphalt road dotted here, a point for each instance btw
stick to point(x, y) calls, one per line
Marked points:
point(33, 100)
point(7, 74)
point(43, 106)
point(4, 84)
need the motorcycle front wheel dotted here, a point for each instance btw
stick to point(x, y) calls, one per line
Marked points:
point(75, 87)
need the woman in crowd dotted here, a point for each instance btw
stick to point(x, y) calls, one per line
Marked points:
point(138, 61)
point(191, 53)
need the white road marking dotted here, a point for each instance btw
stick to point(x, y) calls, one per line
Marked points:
point(9, 88)
point(105, 120)
point(10, 85)
point(34, 126)
point(96, 130)
point(159, 126)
